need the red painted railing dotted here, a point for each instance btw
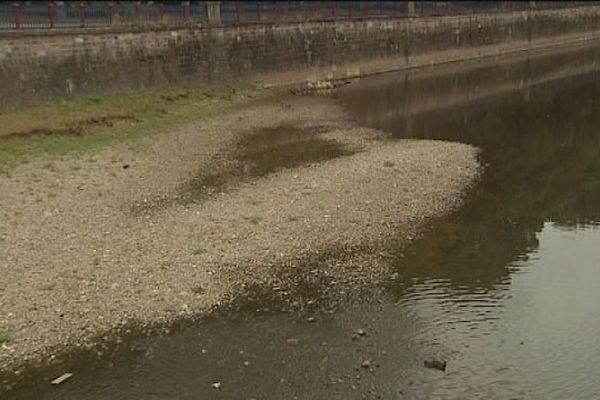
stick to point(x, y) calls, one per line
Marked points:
point(92, 14)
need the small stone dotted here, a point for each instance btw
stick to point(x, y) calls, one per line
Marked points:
point(216, 385)
point(434, 364)
point(311, 319)
point(366, 364)
point(361, 332)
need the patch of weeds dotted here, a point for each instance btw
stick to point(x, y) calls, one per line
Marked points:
point(5, 337)
point(94, 100)
point(49, 287)
point(198, 290)
point(253, 219)
point(199, 251)
point(51, 166)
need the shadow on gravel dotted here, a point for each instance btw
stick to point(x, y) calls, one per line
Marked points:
point(254, 155)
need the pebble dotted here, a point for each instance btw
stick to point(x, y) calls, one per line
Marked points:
point(435, 364)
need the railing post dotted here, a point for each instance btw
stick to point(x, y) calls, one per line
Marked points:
point(111, 12)
point(278, 11)
point(17, 16)
point(411, 10)
point(137, 10)
point(261, 12)
point(82, 14)
point(186, 10)
point(213, 12)
point(52, 10)
point(237, 12)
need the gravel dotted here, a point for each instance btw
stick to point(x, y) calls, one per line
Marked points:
point(78, 263)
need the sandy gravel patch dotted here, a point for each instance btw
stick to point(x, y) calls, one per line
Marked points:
point(92, 242)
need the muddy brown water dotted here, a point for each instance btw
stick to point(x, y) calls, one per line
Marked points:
point(255, 154)
point(265, 151)
point(506, 290)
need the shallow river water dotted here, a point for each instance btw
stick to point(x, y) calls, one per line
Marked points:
point(506, 290)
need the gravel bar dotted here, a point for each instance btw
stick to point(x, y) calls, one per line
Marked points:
point(93, 242)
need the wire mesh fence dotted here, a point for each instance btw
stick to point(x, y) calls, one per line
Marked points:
point(106, 14)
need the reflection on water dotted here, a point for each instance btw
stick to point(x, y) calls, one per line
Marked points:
point(538, 338)
point(541, 145)
point(506, 290)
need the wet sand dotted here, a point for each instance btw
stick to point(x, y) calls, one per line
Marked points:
point(95, 244)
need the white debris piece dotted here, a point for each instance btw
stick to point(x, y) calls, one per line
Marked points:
point(63, 378)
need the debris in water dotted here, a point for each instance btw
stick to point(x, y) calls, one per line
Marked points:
point(62, 379)
point(434, 364)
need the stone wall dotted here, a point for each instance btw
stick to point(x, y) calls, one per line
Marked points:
point(43, 66)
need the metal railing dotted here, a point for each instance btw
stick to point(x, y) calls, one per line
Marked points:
point(106, 14)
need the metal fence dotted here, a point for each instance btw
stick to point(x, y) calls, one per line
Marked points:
point(106, 14)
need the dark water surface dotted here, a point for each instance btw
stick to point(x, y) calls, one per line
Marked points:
point(507, 290)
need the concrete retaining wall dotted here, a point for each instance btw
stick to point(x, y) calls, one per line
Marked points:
point(40, 67)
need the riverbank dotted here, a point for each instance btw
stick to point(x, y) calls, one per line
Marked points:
point(137, 236)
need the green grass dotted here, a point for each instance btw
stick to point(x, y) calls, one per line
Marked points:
point(85, 124)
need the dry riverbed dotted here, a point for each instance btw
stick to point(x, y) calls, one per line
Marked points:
point(94, 242)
